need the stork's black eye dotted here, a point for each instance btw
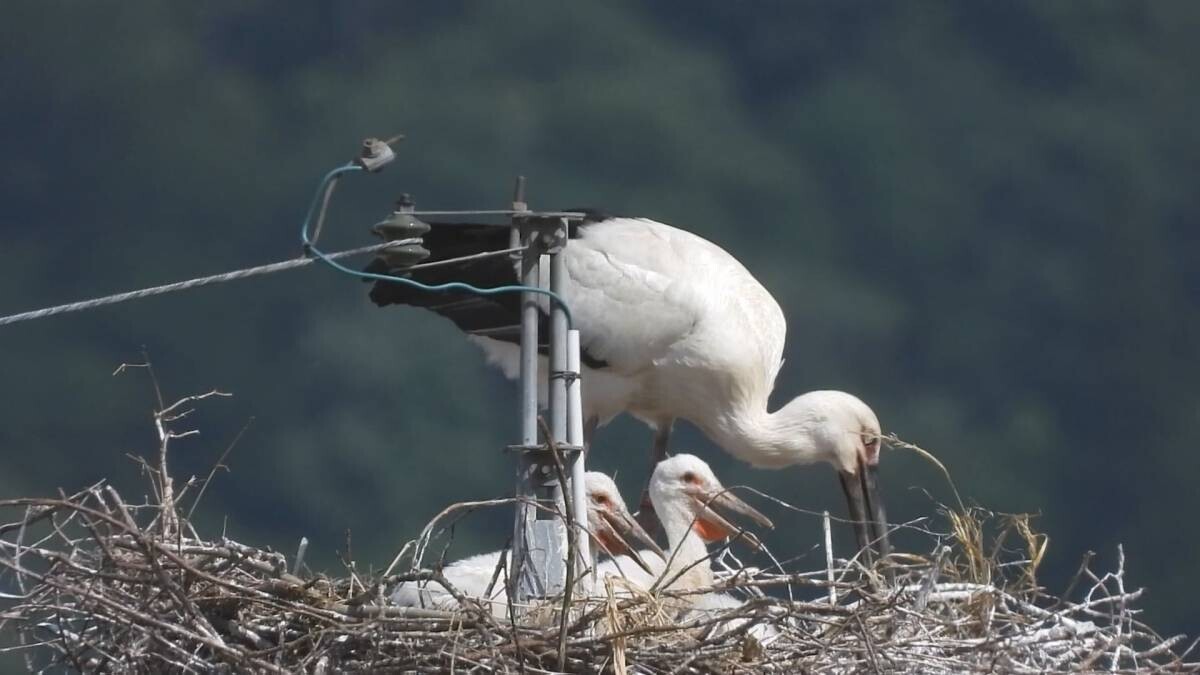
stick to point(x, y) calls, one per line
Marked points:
point(690, 477)
point(602, 500)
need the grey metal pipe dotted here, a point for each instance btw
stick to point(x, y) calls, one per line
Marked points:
point(529, 346)
point(523, 574)
point(558, 348)
point(575, 438)
point(560, 378)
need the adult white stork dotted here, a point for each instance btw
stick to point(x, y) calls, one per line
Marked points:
point(610, 525)
point(672, 326)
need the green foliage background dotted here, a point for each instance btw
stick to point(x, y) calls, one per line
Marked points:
point(980, 217)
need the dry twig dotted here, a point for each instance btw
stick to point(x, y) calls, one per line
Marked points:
point(100, 585)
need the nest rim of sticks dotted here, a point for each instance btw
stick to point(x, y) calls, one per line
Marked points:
point(111, 587)
point(93, 583)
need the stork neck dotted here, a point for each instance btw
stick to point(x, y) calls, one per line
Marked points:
point(688, 554)
point(769, 440)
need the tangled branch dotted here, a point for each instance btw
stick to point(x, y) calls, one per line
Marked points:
point(96, 584)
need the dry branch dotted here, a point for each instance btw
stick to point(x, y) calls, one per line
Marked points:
point(103, 593)
point(92, 583)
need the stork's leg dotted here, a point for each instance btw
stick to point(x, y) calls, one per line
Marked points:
point(646, 516)
point(589, 429)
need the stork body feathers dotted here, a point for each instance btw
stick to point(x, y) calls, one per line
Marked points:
point(671, 325)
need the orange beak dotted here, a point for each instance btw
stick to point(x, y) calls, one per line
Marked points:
point(712, 526)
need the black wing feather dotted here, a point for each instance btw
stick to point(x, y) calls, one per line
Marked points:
point(494, 316)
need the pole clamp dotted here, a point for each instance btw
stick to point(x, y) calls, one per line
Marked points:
point(568, 376)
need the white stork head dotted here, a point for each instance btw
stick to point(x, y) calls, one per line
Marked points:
point(843, 430)
point(838, 428)
point(686, 494)
point(609, 521)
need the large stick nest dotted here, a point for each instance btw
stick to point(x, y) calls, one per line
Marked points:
point(108, 587)
point(92, 583)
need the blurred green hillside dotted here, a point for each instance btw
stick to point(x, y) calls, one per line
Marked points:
point(980, 217)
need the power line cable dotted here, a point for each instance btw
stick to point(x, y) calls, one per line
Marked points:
point(376, 155)
point(194, 283)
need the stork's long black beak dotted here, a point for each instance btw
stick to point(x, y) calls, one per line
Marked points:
point(621, 528)
point(866, 512)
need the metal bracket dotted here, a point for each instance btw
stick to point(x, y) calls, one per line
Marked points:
point(376, 154)
point(551, 231)
point(566, 450)
point(569, 376)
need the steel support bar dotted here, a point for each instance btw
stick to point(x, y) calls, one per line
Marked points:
point(575, 438)
point(540, 537)
point(524, 577)
point(558, 344)
point(528, 573)
point(561, 377)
